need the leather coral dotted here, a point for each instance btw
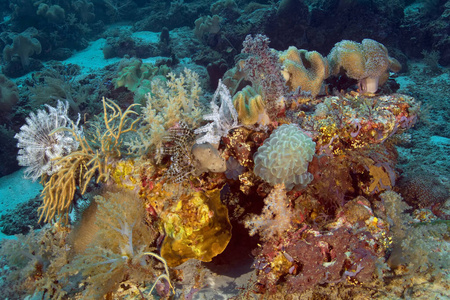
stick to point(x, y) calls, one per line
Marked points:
point(368, 62)
point(304, 69)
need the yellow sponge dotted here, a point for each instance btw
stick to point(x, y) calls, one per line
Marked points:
point(197, 227)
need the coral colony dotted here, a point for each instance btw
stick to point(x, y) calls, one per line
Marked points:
point(290, 165)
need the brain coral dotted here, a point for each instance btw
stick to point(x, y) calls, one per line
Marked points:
point(284, 157)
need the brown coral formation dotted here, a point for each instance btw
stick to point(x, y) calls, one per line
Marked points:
point(312, 258)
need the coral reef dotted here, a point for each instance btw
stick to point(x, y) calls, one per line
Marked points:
point(226, 168)
point(22, 218)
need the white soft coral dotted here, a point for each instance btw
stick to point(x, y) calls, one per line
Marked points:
point(224, 118)
point(275, 218)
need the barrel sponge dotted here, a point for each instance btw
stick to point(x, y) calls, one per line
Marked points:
point(284, 157)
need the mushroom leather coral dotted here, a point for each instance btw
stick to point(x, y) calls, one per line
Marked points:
point(368, 62)
point(304, 69)
point(24, 45)
point(196, 227)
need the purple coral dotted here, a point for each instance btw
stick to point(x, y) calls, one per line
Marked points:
point(264, 70)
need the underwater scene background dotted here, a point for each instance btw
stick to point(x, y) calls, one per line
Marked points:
point(230, 149)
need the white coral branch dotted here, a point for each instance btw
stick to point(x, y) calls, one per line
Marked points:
point(224, 118)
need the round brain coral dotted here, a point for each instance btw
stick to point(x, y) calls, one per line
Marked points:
point(284, 157)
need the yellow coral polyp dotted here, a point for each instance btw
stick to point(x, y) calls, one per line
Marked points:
point(196, 227)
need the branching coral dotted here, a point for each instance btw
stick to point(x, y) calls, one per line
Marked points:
point(264, 70)
point(177, 99)
point(33, 264)
point(417, 246)
point(92, 159)
point(223, 117)
point(276, 216)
